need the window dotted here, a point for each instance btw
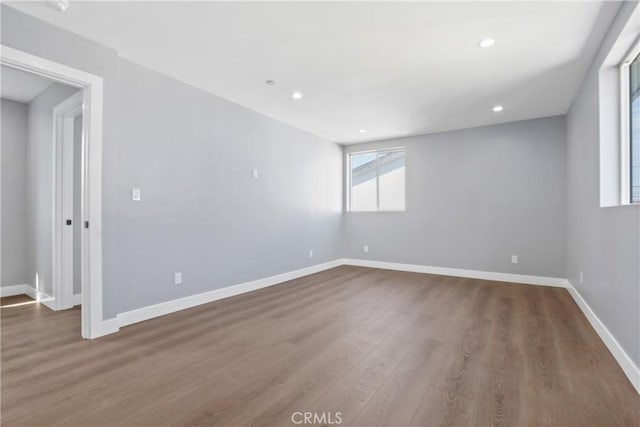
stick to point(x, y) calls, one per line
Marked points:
point(630, 126)
point(619, 117)
point(634, 129)
point(377, 180)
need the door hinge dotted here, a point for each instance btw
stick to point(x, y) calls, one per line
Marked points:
point(68, 222)
point(86, 224)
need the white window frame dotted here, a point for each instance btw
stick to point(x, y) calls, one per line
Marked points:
point(625, 126)
point(349, 177)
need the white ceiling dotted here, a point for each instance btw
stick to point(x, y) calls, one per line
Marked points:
point(392, 68)
point(20, 86)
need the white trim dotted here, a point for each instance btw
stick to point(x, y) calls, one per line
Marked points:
point(164, 308)
point(161, 309)
point(31, 292)
point(45, 299)
point(377, 181)
point(617, 48)
point(625, 125)
point(459, 272)
point(9, 291)
point(625, 137)
point(630, 369)
point(92, 85)
point(348, 181)
point(134, 316)
point(109, 326)
point(349, 177)
point(63, 197)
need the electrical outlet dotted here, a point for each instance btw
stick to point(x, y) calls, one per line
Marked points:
point(177, 278)
point(581, 277)
point(366, 248)
point(135, 194)
point(514, 259)
point(255, 173)
point(311, 253)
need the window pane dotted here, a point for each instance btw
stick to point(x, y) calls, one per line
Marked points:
point(634, 72)
point(363, 182)
point(391, 170)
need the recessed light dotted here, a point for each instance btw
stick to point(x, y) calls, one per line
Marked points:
point(297, 95)
point(498, 108)
point(363, 131)
point(486, 43)
point(270, 82)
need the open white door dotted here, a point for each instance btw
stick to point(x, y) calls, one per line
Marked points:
point(63, 222)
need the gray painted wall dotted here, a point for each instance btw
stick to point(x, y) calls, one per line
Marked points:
point(603, 243)
point(14, 191)
point(39, 187)
point(202, 213)
point(474, 198)
point(192, 154)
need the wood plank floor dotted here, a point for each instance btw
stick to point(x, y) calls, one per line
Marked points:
point(381, 347)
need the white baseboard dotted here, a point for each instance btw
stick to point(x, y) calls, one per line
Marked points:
point(9, 291)
point(164, 308)
point(48, 301)
point(161, 309)
point(630, 369)
point(109, 326)
point(134, 316)
point(458, 272)
point(30, 291)
point(41, 297)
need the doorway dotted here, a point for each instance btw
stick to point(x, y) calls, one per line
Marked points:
point(37, 127)
point(81, 112)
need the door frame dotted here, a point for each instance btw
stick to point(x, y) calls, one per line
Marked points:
point(63, 200)
point(91, 194)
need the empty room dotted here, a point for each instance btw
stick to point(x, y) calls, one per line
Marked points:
point(359, 213)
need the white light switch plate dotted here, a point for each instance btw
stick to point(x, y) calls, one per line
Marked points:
point(135, 194)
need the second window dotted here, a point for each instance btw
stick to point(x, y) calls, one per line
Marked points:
point(377, 180)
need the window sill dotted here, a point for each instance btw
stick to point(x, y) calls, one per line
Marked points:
point(379, 211)
point(621, 205)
